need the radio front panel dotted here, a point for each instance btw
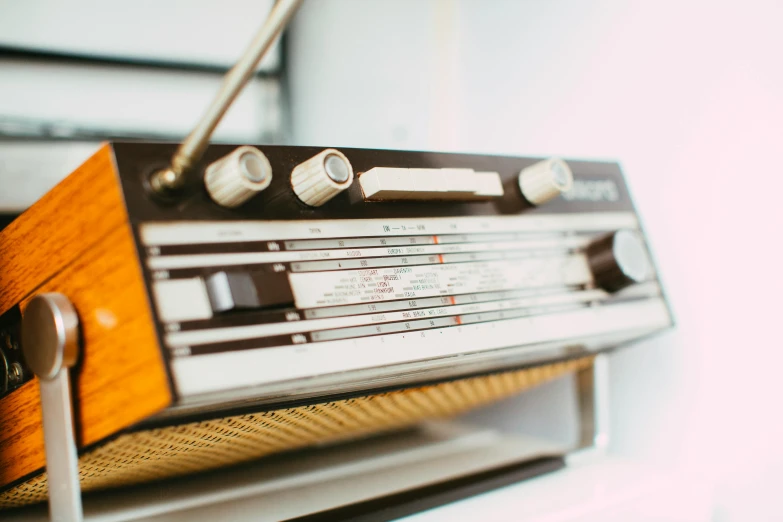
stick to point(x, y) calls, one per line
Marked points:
point(330, 297)
point(276, 300)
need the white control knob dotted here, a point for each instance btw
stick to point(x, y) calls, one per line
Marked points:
point(545, 180)
point(322, 177)
point(235, 178)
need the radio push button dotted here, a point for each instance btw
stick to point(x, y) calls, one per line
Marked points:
point(400, 184)
point(240, 290)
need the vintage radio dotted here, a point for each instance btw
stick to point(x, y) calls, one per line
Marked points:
point(217, 304)
point(299, 294)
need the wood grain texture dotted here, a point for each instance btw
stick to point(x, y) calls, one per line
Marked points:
point(21, 434)
point(77, 240)
point(65, 222)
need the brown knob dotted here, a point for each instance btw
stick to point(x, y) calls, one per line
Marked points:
point(619, 259)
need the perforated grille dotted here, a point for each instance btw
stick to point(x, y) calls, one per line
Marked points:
point(188, 448)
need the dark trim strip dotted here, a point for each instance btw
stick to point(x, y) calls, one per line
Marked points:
point(235, 247)
point(6, 219)
point(238, 247)
point(204, 271)
point(421, 499)
point(273, 341)
point(239, 318)
point(26, 53)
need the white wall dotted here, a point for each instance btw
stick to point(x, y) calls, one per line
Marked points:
point(688, 96)
point(195, 32)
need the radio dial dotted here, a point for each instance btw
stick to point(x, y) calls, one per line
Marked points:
point(235, 178)
point(545, 180)
point(618, 260)
point(322, 177)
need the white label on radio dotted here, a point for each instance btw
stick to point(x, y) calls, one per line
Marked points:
point(201, 232)
point(181, 300)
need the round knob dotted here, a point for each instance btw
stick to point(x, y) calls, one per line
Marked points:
point(322, 177)
point(235, 178)
point(618, 260)
point(50, 334)
point(545, 180)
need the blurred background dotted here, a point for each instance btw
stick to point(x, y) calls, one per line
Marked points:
point(688, 96)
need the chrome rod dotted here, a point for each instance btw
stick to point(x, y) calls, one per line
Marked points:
point(192, 148)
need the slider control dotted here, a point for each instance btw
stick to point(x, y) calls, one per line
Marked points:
point(322, 177)
point(388, 183)
point(241, 290)
point(545, 180)
point(235, 178)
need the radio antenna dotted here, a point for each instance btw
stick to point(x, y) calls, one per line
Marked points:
point(190, 151)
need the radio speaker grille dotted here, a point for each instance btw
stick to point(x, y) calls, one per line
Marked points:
point(160, 453)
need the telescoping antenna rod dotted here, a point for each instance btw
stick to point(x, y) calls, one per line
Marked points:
point(168, 180)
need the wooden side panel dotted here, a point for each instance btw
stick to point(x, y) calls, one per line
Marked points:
point(79, 211)
point(85, 250)
point(21, 434)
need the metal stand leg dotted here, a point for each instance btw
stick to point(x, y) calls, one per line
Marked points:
point(585, 380)
point(593, 397)
point(50, 338)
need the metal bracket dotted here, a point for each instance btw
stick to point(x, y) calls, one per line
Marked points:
point(50, 342)
point(593, 398)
